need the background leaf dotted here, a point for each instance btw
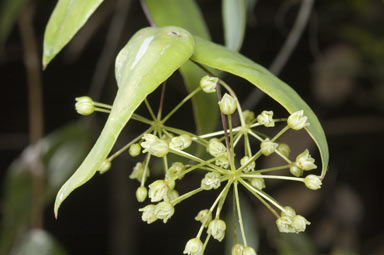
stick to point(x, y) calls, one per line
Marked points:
point(62, 151)
point(9, 12)
point(221, 58)
point(234, 21)
point(67, 18)
point(173, 13)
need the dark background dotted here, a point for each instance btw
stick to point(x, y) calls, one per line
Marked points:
point(337, 67)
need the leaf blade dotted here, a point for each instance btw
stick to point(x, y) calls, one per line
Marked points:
point(66, 19)
point(234, 20)
point(172, 13)
point(221, 58)
point(148, 59)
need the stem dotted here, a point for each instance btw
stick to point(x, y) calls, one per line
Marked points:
point(189, 96)
point(272, 177)
point(272, 169)
point(141, 119)
point(161, 101)
point(231, 159)
point(199, 166)
point(280, 133)
point(186, 195)
point(239, 214)
point(149, 109)
point(147, 13)
point(192, 135)
point(147, 158)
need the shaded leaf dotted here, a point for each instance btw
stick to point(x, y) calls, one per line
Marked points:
point(38, 242)
point(66, 19)
point(221, 58)
point(148, 59)
point(289, 244)
point(173, 13)
point(9, 12)
point(234, 20)
point(69, 144)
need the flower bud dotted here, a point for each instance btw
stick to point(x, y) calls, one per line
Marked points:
point(175, 171)
point(266, 118)
point(305, 161)
point(193, 247)
point(258, 183)
point(295, 171)
point(284, 224)
point(249, 251)
point(288, 211)
point(105, 166)
point(227, 104)
point(141, 193)
point(134, 150)
point(155, 145)
point(172, 194)
point(267, 147)
point(158, 190)
point(217, 229)
point(222, 161)
point(237, 249)
point(248, 116)
point(204, 216)
point(250, 167)
point(148, 215)
point(300, 223)
point(216, 148)
point(208, 84)
point(284, 149)
point(312, 182)
point(297, 120)
point(84, 105)
point(211, 181)
point(180, 142)
point(187, 140)
point(164, 211)
point(138, 172)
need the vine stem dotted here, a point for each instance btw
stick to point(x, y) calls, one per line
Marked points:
point(147, 13)
point(239, 214)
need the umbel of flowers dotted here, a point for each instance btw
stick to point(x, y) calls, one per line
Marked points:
point(226, 166)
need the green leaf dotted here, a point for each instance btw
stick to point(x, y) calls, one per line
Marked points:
point(148, 59)
point(301, 243)
point(221, 58)
point(9, 12)
point(61, 153)
point(38, 242)
point(67, 18)
point(234, 20)
point(173, 13)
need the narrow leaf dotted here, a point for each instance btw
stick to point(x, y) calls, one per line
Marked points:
point(148, 59)
point(221, 58)
point(234, 20)
point(67, 18)
point(173, 13)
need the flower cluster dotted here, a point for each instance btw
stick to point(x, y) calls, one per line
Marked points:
point(226, 165)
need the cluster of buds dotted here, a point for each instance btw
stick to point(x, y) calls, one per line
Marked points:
point(222, 171)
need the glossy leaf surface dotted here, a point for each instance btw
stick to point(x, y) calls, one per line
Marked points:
point(221, 58)
point(234, 20)
point(173, 13)
point(148, 59)
point(66, 19)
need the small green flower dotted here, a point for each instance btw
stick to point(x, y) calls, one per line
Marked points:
point(250, 167)
point(217, 229)
point(105, 166)
point(288, 211)
point(227, 104)
point(248, 116)
point(193, 247)
point(284, 149)
point(141, 193)
point(211, 181)
point(258, 183)
point(237, 249)
point(155, 145)
point(204, 216)
point(266, 118)
point(297, 120)
point(249, 251)
point(134, 150)
point(148, 215)
point(268, 147)
point(222, 161)
point(284, 224)
point(158, 190)
point(164, 211)
point(312, 182)
point(138, 171)
point(175, 171)
point(216, 148)
point(300, 223)
point(208, 84)
point(84, 105)
point(295, 170)
point(305, 161)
